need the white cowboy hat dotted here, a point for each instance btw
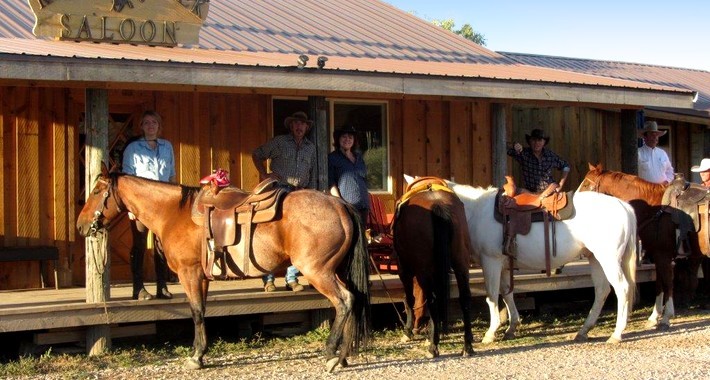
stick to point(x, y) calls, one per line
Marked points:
point(703, 167)
point(651, 126)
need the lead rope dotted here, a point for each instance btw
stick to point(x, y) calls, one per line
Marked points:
point(384, 286)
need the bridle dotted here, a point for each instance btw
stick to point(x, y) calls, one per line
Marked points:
point(99, 212)
point(595, 184)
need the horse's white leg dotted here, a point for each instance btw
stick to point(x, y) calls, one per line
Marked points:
point(512, 310)
point(668, 313)
point(622, 289)
point(656, 313)
point(492, 271)
point(601, 291)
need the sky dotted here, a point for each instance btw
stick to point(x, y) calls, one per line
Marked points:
point(668, 33)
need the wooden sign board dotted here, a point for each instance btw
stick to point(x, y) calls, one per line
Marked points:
point(146, 22)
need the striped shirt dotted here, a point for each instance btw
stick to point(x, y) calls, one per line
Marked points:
point(293, 164)
point(350, 178)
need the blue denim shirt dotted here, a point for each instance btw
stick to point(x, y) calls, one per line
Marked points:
point(142, 161)
point(350, 178)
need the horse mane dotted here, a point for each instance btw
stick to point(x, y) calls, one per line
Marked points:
point(645, 190)
point(187, 193)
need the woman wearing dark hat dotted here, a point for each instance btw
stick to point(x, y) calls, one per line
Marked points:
point(347, 172)
point(537, 163)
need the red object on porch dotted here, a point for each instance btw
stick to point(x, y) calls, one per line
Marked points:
point(381, 244)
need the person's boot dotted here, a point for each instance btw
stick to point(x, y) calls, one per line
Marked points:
point(294, 286)
point(142, 295)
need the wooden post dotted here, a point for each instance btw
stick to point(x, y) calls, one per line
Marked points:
point(629, 142)
point(500, 159)
point(318, 108)
point(98, 268)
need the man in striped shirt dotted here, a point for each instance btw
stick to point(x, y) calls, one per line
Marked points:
point(293, 161)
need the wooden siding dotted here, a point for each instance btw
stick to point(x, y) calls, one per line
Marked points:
point(41, 154)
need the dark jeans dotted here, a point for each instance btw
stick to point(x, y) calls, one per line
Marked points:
point(140, 234)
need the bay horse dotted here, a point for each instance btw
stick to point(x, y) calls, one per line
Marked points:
point(430, 239)
point(603, 228)
point(656, 230)
point(318, 233)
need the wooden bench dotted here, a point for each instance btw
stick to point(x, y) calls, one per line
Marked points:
point(33, 253)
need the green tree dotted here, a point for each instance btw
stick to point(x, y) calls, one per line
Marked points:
point(466, 31)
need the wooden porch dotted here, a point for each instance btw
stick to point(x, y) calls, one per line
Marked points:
point(60, 315)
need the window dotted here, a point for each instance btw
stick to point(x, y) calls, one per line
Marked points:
point(369, 119)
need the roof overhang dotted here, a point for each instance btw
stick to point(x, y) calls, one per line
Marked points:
point(115, 73)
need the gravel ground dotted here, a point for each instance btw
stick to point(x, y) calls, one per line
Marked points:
point(683, 352)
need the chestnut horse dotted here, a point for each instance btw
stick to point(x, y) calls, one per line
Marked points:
point(318, 233)
point(656, 230)
point(430, 238)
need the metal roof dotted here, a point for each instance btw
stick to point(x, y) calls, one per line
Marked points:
point(367, 38)
point(691, 79)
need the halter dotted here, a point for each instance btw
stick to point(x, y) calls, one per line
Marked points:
point(95, 227)
point(595, 184)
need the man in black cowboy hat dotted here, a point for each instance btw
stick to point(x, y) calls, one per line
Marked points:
point(537, 164)
point(293, 161)
point(654, 164)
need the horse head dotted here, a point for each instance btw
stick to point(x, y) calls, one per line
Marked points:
point(590, 182)
point(101, 207)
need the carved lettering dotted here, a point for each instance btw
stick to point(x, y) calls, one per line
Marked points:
point(66, 29)
point(104, 35)
point(84, 28)
point(131, 27)
point(169, 32)
point(148, 31)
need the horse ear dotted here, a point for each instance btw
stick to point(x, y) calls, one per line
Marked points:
point(408, 179)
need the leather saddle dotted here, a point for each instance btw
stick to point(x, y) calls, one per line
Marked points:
point(517, 212)
point(686, 201)
point(228, 215)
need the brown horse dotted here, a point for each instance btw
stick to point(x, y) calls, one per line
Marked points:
point(318, 233)
point(430, 238)
point(656, 230)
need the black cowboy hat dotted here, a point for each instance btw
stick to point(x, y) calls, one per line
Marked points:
point(537, 134)
point(297, 116)
point(347, 129)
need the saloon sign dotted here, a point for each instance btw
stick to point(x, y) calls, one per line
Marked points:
point(148, 22)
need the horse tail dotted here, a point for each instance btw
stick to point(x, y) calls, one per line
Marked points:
point(630, 259)
point(357, 279)
point(442, 227)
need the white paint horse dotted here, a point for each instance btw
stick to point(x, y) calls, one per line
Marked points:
point(604, 225)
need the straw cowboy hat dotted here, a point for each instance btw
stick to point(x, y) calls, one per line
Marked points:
point(297, 116)
point(537, 134)
point(651, 127)
point(703, 167)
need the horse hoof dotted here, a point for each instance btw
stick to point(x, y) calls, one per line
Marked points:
point(663, 327)
point(651, 324)
point(343, 362)
point(613, 340)
point(331, 363)
point(508, 336)
point(488, 339)
point(467, 352)
point(431, 354)
point(404, 339)
point(581, 338)
point(193, 363)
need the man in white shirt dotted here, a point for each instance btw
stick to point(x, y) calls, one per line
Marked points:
point(654, 164)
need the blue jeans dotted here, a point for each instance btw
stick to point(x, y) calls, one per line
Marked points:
point(291, 273)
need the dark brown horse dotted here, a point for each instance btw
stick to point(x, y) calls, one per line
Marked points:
point(656, 230)
point(431, 238)
point(318, 233)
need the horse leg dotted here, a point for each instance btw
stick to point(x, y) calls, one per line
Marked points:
point(653, 319)
point(196, 286)
point(434, 333)
point(407, 333)
point(510, 311)
point(664, 268)
point(492, 272)
point(465, 305)
point(342, 301)
point(601, 291)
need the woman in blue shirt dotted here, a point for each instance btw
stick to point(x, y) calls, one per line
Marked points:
point(149, 157)
point(347, 172)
